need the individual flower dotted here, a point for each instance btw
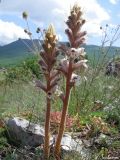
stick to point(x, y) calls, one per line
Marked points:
point(63, 66)
point(75, 80)
point(80, 65)
point(76, 53)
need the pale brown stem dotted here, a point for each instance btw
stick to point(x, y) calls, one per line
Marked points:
point(64, 113)
point(47, 127)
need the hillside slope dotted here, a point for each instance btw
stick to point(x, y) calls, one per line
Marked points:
point(17, 51)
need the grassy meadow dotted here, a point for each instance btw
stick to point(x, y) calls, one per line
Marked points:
point(96, 98)
point(19, 94)
point(70, 89)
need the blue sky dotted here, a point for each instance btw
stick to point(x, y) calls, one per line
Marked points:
point(43, 12)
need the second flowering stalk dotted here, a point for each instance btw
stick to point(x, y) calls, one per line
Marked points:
point(75, 59)
point(47, 63)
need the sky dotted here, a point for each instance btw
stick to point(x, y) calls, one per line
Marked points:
point(41, 13)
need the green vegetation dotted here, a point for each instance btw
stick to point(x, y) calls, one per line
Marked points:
point(94, 103)
point(98, 96)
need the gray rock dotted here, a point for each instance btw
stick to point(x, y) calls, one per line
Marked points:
point(24, 132)
point(70, 145)
point(30, 134)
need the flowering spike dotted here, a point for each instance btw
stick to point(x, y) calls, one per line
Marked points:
point(47, 64)
point(68, 64)
point(74, 23)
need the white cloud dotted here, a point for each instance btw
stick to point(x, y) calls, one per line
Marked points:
point(113, 1)
point(10, 32)
point(118, 15)
point(56, 11)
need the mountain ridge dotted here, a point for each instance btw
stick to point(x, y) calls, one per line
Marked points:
point(20, 49)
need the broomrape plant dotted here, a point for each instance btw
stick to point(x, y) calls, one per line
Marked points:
point(74, 59)
point(47, 64)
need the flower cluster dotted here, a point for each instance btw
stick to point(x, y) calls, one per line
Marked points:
point(74, 60)
point(74, 23)
point(75, 55)
point(47, 63)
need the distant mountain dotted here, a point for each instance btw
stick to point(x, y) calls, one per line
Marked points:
point(16, 51)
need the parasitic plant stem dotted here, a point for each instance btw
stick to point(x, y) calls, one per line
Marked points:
point(64, 112)
point(47, 124)
point(47, 63)
point(69, 65)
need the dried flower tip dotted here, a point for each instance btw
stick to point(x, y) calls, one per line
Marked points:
point(50, 37)
point(29, 33)
point(76, 9)
point(51, 29)
point(26, 31)
point(25, 15)
point(83, 21)
point(38, 30)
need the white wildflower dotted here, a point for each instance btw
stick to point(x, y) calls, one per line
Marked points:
point(80, 64)
point(64, 61)
point(75, 53)
point(76, 79)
